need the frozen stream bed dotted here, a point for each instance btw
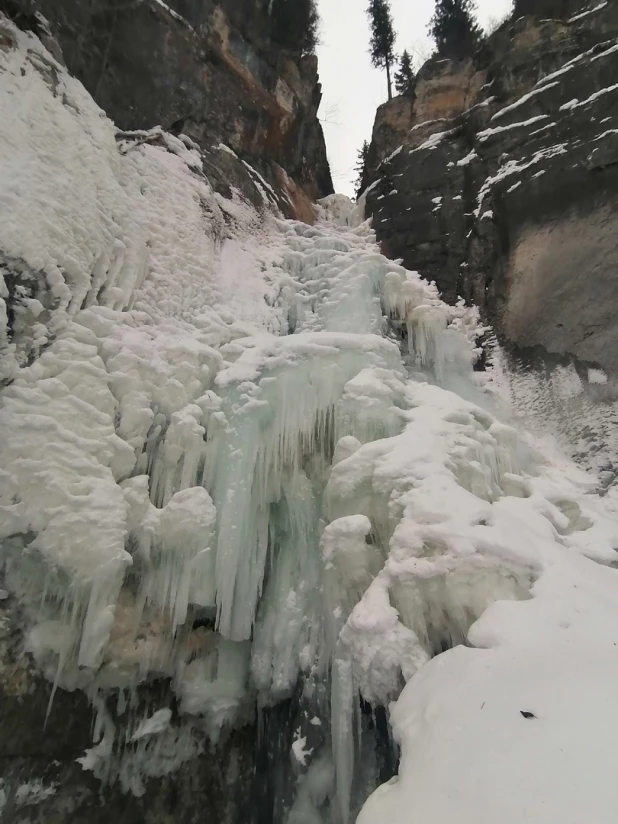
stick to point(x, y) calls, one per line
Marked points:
point(251, 457)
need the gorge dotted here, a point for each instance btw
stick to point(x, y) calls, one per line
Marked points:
point(277, 544)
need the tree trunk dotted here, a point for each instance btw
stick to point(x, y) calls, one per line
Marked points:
point(388, 80)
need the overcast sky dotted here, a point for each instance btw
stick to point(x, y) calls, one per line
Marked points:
point(352, 88)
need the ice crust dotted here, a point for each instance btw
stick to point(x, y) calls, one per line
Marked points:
point(251, 456)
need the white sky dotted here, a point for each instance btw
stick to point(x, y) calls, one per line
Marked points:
point(352, 89)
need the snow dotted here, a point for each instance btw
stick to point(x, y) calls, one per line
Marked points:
point(397, 151)
point(369, 188)
point(606, 133)
point(427, 123)
point(597, 376)
point(546, 127)
point(561, 409)
point(487, 133)
point(171, 12)
point(478, 759)
point(300, 751)
point(568, 66)
point(434, 559)
point(223, 148)
point(467, 159)
point(262, 183)
point(513, 167)
point(575, 104)
point(250, 456)
point(524, 99)
point(588, 12)
point(605, 53)
point(431, 143)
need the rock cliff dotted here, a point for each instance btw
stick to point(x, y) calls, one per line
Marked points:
point(499, 180)
point(211, 70)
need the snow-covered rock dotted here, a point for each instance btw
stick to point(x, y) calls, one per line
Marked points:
point(251, 462)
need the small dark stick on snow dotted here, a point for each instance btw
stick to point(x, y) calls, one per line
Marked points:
point(527, 714)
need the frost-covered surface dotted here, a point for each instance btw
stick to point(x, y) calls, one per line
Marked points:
point(251, 456)
point(570, 409)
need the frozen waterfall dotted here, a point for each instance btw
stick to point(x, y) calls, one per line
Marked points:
point(251, 457)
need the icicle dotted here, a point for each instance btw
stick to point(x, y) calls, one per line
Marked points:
point(180, 567)
point(252, 517)
point(426, 325)
point(344, 705)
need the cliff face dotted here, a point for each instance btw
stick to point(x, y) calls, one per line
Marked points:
point(500, 182)
point(210, 70)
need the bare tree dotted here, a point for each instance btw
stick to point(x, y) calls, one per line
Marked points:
point(494, 21)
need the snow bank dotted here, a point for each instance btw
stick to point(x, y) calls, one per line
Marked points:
point(530, 731)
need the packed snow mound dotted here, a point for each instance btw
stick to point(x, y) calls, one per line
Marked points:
point(528, 732)
point(251, 456)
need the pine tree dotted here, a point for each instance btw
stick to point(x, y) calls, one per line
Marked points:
point(361, 170)
point(404, 77)
point(296, 24)
point(382, 44)
point(454, 28)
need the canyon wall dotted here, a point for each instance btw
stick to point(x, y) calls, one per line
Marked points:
point(499, 179)
point(210, 70)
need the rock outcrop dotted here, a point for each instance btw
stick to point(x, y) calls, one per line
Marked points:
point(499, 180)
point(211, 70)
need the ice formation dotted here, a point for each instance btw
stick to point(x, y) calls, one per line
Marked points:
point(251, 456)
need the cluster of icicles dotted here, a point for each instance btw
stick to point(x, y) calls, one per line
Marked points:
point(320, 516)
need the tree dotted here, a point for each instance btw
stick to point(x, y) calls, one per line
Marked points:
point(382, 44)
point(296, 24)
point(454, 28)
point(361, 170)
point(404, 77)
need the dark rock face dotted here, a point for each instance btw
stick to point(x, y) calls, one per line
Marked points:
point(43, 782)
point(243, 780)
point(505, 189)
point(207, 69)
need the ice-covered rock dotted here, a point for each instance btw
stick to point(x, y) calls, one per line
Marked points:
point(252, 462)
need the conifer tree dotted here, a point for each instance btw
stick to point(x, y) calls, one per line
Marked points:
point(382, 44)
point(454, 28)
point(361, 170)
point(404, 77)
